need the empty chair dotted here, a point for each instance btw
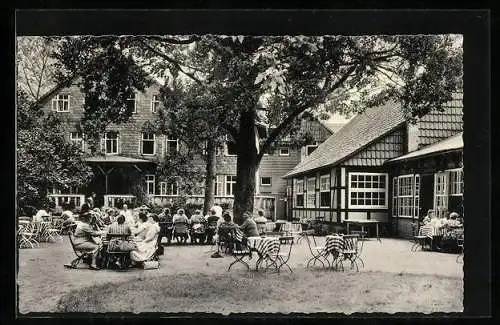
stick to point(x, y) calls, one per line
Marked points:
point(352, 251)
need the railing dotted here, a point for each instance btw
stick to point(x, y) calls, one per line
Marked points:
point(110, 200)
point(60, 199)
point(266, 203)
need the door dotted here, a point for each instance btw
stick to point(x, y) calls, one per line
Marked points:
point(426, 194)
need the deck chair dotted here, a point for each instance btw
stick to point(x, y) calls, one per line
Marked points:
point(352, 251)
point(181, 231)
point(85, 257)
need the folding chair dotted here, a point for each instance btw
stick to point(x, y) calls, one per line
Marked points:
point(424, 235)
point(26, 236)
point(460, 244)
point(53, 231)
point(86, 257)
point(283, 256)
point(351, 251)
point(318, 252)
point(239, 250)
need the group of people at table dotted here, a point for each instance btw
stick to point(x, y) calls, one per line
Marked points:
point(92, 226)
point(443, 231)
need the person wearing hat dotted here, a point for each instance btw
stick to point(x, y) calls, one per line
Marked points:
point(86, 239)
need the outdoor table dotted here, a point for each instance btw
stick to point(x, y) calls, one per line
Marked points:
point(435, 233)
point(364, 223)
point(265, 247)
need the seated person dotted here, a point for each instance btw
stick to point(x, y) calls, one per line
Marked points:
point(197, 217)
point(146, 240)
point(453, 222)
point(249, 227)
point(42, 213)
point(119, 228)
point(86, 239)
point(260, 217)
point(180, 226)
point(141, 229)
point(180, 217)
point(166, 225)
point(165, 215)
point(212, 225)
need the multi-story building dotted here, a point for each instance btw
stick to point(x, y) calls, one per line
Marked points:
point(129, 155)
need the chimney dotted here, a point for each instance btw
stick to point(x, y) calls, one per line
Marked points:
point(412, 136)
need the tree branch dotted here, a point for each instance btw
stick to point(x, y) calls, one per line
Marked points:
point(274, 134)
point(172, 61)
point(171, 40)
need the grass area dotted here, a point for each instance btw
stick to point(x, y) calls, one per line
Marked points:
point(303, 291)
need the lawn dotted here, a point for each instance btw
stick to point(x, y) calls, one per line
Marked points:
point(394, 279)
point(303, 291)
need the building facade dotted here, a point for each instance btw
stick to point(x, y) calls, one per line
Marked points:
point(350, 176)
point(129, 155)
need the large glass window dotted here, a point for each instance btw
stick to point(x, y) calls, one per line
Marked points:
point(60, 103)
point(456, 182)
point(324, 188)
point(299, 192)
point(406, 189)
point(219, 185)
point(368, 190)
point(441, 194)
point(148, 144)
point(109, 143)
point(311, 192)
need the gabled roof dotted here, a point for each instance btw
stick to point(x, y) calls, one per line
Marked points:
point(332, 127)
point(115, 159)
point(359, 132)
point(455, 142)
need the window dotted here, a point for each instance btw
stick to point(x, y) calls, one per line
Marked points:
point(405, 195)
point(284, 152)
point(155, 103)
point(150, 184)
point(169, 188)
point(265, 181)
point(230, 185)
point(60, 103)
point(219, 185)
point(109, 143)
point(299, 192)
point(132, 104)
point(456, 182)
point(311, 192)
point(310, 149)
point(172, 146)
point(148, 144)
point(324, 191)
point(77, 139)
point(440, 194)
point(368, 190)
point(394, 196)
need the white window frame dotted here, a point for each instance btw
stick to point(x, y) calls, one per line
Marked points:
point(284, 154)
point(167, 187)
point(395, 196)
point(310, 146)
point(150, 181)
point(406, 184)
point(167, 140)
point(266, 184)
point(135, 102)
point(219, 185)
point(323, 189)
point(310, 193)
point(299, 190)
point(456, 181)
point(76, 140)
point(155, 103)
point(142, 144)
point(104, 140)
point(441, 194)
point(372, 190)
point(231, 181)
point(58, 102)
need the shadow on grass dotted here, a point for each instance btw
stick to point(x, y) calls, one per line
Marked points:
point(303, 291)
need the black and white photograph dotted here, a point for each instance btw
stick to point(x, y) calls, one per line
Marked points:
point(238, 173)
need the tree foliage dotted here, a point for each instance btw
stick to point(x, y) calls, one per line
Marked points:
point(45, 159)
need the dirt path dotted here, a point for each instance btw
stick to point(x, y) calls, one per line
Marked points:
point(42, 279)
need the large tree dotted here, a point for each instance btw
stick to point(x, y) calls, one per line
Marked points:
point(277, 79)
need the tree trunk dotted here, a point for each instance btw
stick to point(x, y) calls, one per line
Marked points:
point(246, 166)
point(210, 176)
